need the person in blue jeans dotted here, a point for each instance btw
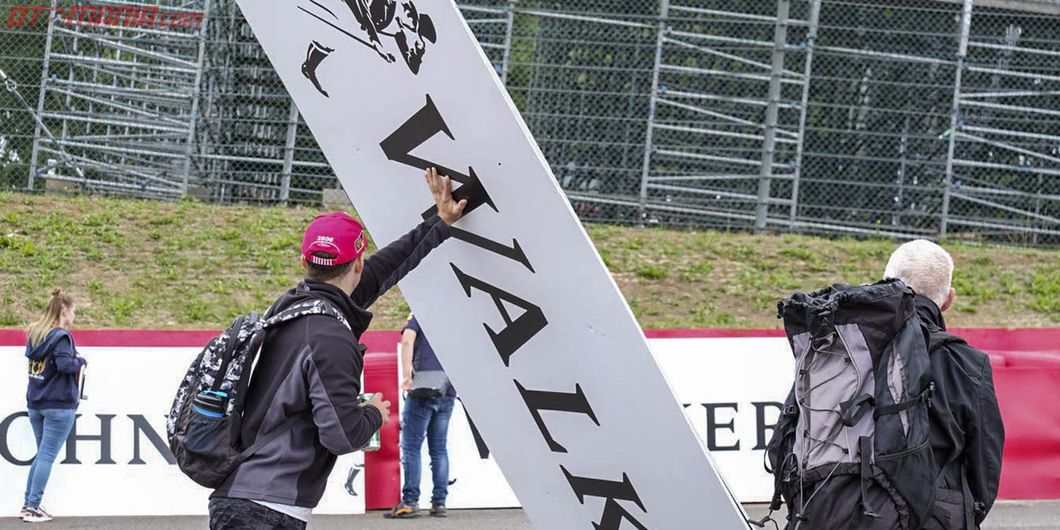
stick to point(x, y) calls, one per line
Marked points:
point(52, 395)
point(422, 418)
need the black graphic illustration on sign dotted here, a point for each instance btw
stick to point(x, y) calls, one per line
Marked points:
point(313, 56)
point(410, 30)
point(351, 477)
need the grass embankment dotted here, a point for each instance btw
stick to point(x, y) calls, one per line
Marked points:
point(139, 264)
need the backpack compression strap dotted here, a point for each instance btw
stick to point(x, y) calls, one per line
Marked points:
point(312, 307)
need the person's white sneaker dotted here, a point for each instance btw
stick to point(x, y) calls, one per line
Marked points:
point(23, 512)
point(36, 515)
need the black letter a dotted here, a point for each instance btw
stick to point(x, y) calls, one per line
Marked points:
point(516, 332)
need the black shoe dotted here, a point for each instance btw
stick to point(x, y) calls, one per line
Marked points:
point(438, 510)
point(402, 511)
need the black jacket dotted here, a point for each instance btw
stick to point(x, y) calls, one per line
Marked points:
point(311, 367)
point(967, 434)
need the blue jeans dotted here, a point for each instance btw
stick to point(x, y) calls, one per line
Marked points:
point(50, 428)
point(425, 418)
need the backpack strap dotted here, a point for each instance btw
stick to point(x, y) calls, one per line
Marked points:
point(312, 307)
point(852, 410)
point(230, 349)
point(924, 396)
point(937, 338)
point(867, 450)
point(789, 411)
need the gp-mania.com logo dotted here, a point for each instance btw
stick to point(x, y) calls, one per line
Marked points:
point(119, 16)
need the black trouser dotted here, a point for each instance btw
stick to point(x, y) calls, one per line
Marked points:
point(241, 514)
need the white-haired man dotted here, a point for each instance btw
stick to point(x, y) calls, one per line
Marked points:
point(967, 435)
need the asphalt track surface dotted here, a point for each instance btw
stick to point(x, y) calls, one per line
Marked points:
point(1005, 516)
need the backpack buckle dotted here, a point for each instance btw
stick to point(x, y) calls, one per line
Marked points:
point(851, 411)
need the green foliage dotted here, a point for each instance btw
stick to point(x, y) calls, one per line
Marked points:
point(1044, 285)
point(652, 272)
point(143, 264)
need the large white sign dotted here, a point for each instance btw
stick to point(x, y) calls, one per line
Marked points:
point(117, 462)
point(527, 320)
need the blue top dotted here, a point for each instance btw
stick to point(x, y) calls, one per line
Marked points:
point(423, 356)
point(53, 372)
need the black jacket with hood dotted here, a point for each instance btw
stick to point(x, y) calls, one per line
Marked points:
point(311, 367)
point(967, 434)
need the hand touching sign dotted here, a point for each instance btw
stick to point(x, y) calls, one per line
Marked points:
point(442, 189)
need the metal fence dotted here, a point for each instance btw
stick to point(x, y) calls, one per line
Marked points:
point(863, 117)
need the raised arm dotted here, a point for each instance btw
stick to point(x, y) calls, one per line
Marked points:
point(391, 263)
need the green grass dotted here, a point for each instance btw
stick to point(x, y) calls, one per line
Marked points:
point(140, 264)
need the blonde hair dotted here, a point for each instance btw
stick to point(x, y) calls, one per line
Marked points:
point(37, 331)
point(924, 266)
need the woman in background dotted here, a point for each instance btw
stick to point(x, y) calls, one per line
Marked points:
point(52, 396)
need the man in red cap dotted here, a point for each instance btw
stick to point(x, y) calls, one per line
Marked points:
point(310, 369)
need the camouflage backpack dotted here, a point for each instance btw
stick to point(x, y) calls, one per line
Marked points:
point(204, 423)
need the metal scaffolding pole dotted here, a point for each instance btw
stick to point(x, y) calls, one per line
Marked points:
point(288, 155)
point(129, 90)
point(40, 99)
point(780, 39)
point(664, 13)
point(962, 53)
point(197, 93)
point(811, 39)
point(509, 26)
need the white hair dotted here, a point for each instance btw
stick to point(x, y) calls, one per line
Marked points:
point(924, 266)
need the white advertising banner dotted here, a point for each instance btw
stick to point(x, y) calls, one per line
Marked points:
point(525, 316)
point(732, 390)
point(116, 462)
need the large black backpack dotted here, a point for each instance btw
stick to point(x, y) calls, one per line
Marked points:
point(206, 444)
point(851, 447)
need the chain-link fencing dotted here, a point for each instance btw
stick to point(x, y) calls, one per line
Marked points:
point(861, 117)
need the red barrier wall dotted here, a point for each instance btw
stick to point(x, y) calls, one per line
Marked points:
point(1027, 384)
point(1026, 375)
point(382, 468)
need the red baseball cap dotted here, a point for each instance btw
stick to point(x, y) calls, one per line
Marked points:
point(337, 234)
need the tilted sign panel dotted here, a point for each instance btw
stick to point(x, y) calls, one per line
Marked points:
point(526, 319)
